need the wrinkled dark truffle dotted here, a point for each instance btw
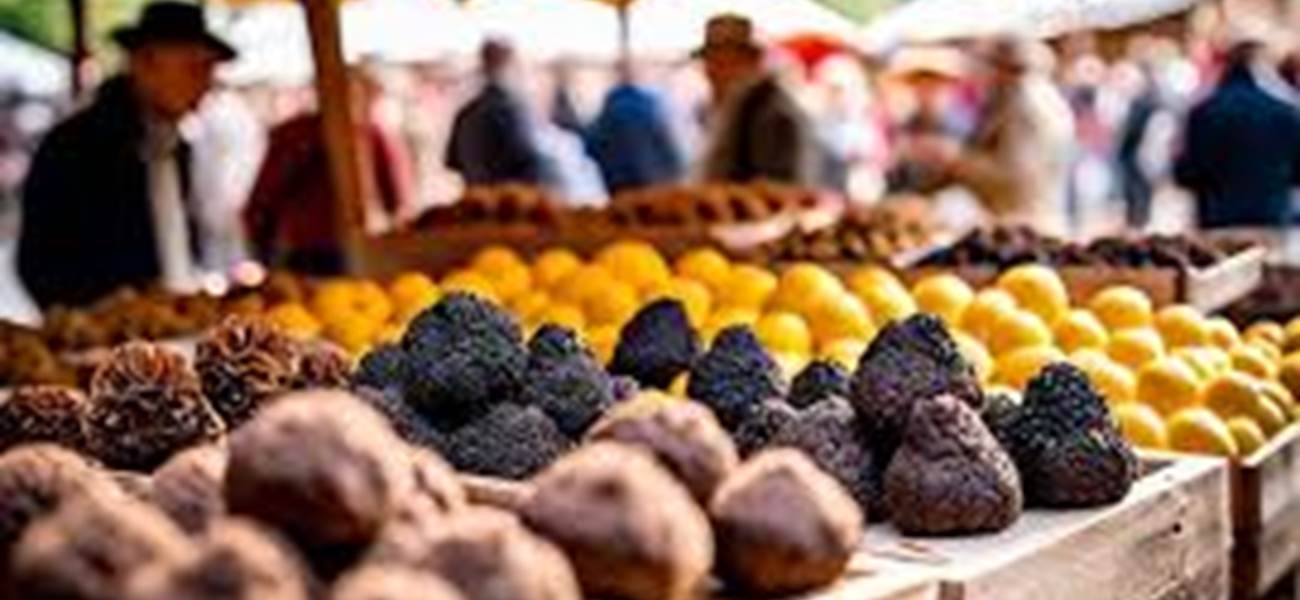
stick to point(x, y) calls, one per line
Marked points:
point(323, 468)
point(909, 361)
point(684, 436)
point(189, 488)
point(409, 424)
point(146, 404)
point(35, 480)
point(244, 362)
point(950, 476)
point(236, 560)
point(90, 549)
point(510, 441)
point(735, 375)
point(565, 381)
point(321, 365)
point(557, 343)
point(656, 345)
point(820, 380)
point(762, 424)
point(783, 526)
point(464, 355)
point(832, 435)
point(1065, 444)
point(390, 582)
point(630, 529)
point(381, 368)
point(43, 413)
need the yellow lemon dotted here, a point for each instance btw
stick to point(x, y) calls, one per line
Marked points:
point(372, 302)
point(679, 385)
point(1015, 369)
point(1200, 431)
point(1237, 394)
point(494, 259)
point(839, 317)
point(1181, 325)
point(1079, 329)
point(1249, 358)
point(1266, 330)
point(334, 299)
point(976, 354)
point(1291, 343)
point(510, 281)
point(803, 286)
point(1114, 381)
point(748, 287)
point(1135, 347)
point(885, 296)
point(784, 332)
point(1271, 352)
point(636, 263)
point(471, 282)
point(295, 320)
point(705, 265)
point(845, 352)
point(1280, 396)
point(693, 295)
point(1018, 329)
point(1122, 307)
point(527, 306)
point(353, 334)
point(1142, 425)
point(1250, 437)
point(944, 295)
point(614, 305)
point(585, 282)
point(553, 266)
point(1198, 360)
point(602, 340)
point(1223, 334)
point(412, 289)
point(1168, 385)
point(1037, 289)
point(871, 277)
point(790, 363)
point(562, 314)
point(728, 316)
point(984, 310)
point(1289, 373)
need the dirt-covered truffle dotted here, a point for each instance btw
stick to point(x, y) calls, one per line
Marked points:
point(950, 476)
point(145, 405)
point(43, 413)
point(90, 549)
point(656, 345)
point(783, 526)
point(1065, 444)
point(35, 480)
point(684, 436)
point(820, 380)
point(392, 582)
point(564, 380)
point(189, 488)
point(321, 365)
point(909, 361)
point(735, 375)
point(243, 362)
point(320, 466)
point(761, 425)
point(463, 355)
point(382, 368)
point(834, 438)
point(630, 529)
point(510, 441)
point(236, 560)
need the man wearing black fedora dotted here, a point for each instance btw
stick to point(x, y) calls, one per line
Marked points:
point(106, 202)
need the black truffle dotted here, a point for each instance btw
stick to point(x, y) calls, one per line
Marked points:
point(762, 424)
point(236, 560)
point(656, 345)
point(390, 582)
point(189, 488)
point(565, 381)
point(556, 343)
point(820, 380)
point(409, 424)
point(950, 476)
point(630, 529)
point(146, 404)
point(510, 441)
point(381, 368)
point(43, 413)
point(783, 526)
point(832, 435)
point(735, 375)
point(244, 362)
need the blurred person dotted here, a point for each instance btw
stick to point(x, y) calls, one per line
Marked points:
point(931, 77)
point(1241, 148)
point(1142, 154)
point(107, 201)
point(849, 129)
point(758, 130)
point(291, 215)
point(632, 139)
point(493, 139)
point(564, 109)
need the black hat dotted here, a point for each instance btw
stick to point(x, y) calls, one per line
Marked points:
point(172, 22)
point(728, 31)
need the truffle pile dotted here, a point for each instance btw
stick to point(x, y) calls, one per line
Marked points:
point(862, 235)
point(1006, 247)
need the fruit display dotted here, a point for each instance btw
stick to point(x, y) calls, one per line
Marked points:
point(875, 235)
point(709, 204)
point(510, 204)
point(1006, 247)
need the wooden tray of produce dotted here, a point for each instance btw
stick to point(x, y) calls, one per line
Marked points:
point(1170, 538)
point(440, 249)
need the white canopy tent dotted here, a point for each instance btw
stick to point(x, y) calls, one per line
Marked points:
point(32, 69)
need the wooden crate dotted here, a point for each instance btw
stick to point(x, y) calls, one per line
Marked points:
point(1168, 539)
point(1266, 516)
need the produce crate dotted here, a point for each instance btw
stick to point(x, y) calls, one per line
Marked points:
point(438, 250)
point(1266, 516)
point(1170, 538)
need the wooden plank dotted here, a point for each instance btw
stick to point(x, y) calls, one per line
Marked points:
point(1220, 285)
point(1266, 515)
point(1169, 538)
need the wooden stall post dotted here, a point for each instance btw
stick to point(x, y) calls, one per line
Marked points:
point(80, 47)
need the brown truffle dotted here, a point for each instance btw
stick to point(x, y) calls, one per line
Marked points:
point(321, 466)
point(91, 547)
point(237, 560)
point(390, 582)
point(35, 481)
point(189, 487)
point(684, 436)
point(321, 365)
point(43, 413)
point(243, 362)
point(146, 405)
point(631, 530)
point(783, 525)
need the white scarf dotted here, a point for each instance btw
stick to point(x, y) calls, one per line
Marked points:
point(167, 205)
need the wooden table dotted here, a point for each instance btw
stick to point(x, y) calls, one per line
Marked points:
point(1266, 517)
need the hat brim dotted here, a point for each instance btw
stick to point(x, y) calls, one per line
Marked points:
point(704, 50)
point(131, 38)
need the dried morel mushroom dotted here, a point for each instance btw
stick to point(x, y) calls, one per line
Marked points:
point(321, 365)
point(43, 413)
point(90, 549)
point(236, 560)
point(783, 526)
point(146, 404)
point(37, 479)
point(510, 441)
point(1067, 447)
point(391, 582)
point(322, 467)
point(834, 438)
point(189, 488)
point(820, 380)
point(909, 361)
point(761, 425)
point(684, 436)
point(630, 529)
point(657, 345)
point(243, 362)
point(950, 476)
point(735, 375)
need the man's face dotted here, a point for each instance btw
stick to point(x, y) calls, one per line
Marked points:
point(725, 67)
point(174, 76)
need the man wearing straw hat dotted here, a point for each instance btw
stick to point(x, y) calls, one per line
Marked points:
point(106, 201)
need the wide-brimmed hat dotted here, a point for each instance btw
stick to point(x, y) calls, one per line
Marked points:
point(728, 32)
point(172, 22)
point(937, 62)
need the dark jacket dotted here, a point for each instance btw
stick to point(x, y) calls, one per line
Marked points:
point(762, 134)
point(87, 217)
point(491, 143)
point(1241, 155)
point(633, 142)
